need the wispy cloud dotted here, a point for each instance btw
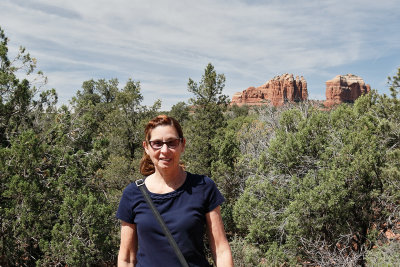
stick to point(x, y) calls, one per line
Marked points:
point(163, 43)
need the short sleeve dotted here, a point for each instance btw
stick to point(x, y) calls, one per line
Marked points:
point(212, 195)
point(125, 209)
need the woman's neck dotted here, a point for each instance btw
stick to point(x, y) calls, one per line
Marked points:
point(166, 181)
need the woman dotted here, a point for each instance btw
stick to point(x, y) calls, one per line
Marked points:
point(187, 202)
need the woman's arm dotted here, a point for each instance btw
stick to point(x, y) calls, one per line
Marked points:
point(220, 248)
point(128, 246)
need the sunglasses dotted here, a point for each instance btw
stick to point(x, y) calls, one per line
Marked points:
point(158, 144)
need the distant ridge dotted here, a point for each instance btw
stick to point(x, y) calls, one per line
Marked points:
point(285, 88)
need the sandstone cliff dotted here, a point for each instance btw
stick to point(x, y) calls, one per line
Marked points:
point(345, 88)
point(276, 91)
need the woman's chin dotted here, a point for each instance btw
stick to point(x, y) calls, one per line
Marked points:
point(164, 164)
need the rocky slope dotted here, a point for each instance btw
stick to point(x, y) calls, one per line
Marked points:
point(277, 91)
point(345, 88)
point(285, 88)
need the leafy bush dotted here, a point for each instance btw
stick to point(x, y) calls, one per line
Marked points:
point(244, 254)
point(387, 255)
point(321, 180)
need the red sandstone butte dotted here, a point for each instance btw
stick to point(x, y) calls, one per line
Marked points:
point(345, 89)
point(276, 91)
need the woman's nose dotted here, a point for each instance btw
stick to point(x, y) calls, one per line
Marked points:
point(164, 148)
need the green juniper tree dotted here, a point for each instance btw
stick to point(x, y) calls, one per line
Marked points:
point(208, 105)
point(180, 111)
point(62, 170)
point(323, 182)
point(24, 174)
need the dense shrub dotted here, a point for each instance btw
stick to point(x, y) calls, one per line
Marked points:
point(303, 185)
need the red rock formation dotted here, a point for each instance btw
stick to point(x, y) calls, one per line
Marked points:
point(345, 88)
point(276, 91)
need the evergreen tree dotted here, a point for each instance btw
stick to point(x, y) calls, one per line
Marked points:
point(180, 112)
point(208, 105)
point(25, 178)
point(318, 188)
point(62, 170)
point(225, 169)
point(17, 95)
point(301, 184)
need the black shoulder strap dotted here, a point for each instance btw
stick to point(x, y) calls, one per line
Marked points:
point(171, 240)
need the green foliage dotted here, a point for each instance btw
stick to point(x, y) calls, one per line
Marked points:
point(386, 255)
point(319, 168)
point(26, 212)
point(224, 171)
point(244, 254)
point(124, 125)
point(209, 104)
point(302, 185)
point(260, 210)
point(62, 170)
point(209, 91)
point(104, 113)
point(180, 111)
point(277, 256)
point(394, 84)
point(78, 237)
point(18, 109)
point(238, 111)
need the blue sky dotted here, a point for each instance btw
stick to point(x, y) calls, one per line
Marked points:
point(163, 43)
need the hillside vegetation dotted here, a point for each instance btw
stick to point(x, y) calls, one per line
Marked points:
point(303, 185)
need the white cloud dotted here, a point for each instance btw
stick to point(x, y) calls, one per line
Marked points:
point(163, 43)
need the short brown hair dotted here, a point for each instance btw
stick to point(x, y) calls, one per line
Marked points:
point(146, 165)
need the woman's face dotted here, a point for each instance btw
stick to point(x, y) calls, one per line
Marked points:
point(168, 156)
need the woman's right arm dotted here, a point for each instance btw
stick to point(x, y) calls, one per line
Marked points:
point(128, 246)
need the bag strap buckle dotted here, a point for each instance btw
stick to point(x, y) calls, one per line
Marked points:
point(139, 182)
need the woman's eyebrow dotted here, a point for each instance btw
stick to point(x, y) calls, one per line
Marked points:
point(167, 139)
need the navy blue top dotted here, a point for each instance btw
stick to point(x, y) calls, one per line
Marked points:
point(183, 211)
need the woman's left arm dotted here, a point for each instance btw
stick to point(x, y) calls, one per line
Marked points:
point(220, 248)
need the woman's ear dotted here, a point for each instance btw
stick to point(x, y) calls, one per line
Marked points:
point(144, 144)
point(183, 144)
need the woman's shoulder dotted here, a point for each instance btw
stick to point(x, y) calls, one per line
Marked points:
point(210, 194)
point(131, 187)
point(199, 179)
point(131, 190)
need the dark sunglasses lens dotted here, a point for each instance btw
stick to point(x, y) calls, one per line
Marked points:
point(173, 143)
point(156, 144)
point(170, 144)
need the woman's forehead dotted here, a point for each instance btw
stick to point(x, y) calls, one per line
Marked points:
point(164, 131)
